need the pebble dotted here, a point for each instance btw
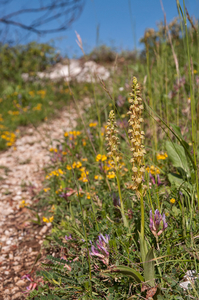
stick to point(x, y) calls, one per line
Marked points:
point(16, 296)
point(20, 282)
point(5, 248)
point(11, 257)
point(43, 230)
point(16, 198)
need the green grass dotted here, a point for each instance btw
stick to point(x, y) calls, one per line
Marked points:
point(32, 103)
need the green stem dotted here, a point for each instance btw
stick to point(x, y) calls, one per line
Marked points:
point(142, 213)
point(121, 201)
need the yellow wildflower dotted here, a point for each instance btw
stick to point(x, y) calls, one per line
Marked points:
point(88, 196)
point(23, 204)
point(68, 167)
point(98, 157)
point(111, 175)
point(84, 159)
point(103, 158)
point(46, 220)
point(162, 156)
point(31, 93)
point(52, 208)
point(93, 124)
point(153, 170)
point(13, 113)
point(53, 149)
point(98, 177)
point(38, 107)
point(172, 201)
point(51, 219)
point(83, 142)
point(78, 165)
point(9, 144)
point(42, 93)
point(74, 165)
point(46, 190)
point(66, 134)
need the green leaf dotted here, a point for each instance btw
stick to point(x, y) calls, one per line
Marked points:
point(143, 248)
point(177, 131)
point(180, 184)
point(63, 184)
point(188, 154)
point(176, 211)
point(149, 272)
point(177, 156)
point(126, 271)
point(175, 179)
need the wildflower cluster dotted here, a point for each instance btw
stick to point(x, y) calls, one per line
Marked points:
point(13, 113)
point(48, 220)
point(72, 134)
point(41, 93)
point(23, 204)
point(37, 107)
point(153, 170)
point(94, 124)
point(101, 157)
point(157, 222)
point(101, 249)
point(10, 137)
point(162, 156)
point(136, 135)
point(77, 165)
point(84, 175)
point(55, 173)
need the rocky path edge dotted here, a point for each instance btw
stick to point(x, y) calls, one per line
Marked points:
point(22, 173)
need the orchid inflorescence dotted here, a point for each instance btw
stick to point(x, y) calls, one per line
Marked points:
point(113, 140)
point(136, 135)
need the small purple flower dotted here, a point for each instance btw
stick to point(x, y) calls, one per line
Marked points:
point(157, 223)
point(27, 276)
point(68, 237)
point(101, 249)
point(153, 179)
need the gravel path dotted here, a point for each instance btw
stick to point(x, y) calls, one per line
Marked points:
point(21, 176)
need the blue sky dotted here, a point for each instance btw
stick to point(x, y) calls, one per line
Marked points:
point(114, 20)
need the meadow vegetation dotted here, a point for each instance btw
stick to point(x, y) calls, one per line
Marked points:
point(121, 190)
